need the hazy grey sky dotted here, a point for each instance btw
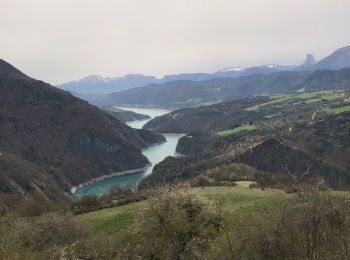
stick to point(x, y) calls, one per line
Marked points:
point(62, 40)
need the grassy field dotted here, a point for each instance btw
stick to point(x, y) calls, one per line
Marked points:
point(115, 222)
point(236, 130)
point(239, 202)
point(328, 95)
point(337, 110)
point(308, 97)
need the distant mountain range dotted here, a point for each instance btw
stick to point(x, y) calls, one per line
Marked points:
point(95, 87)
point(185, 93)
point(337, 60)
point(96, 84)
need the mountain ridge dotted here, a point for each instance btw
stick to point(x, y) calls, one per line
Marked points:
point(180, 94)
point(92, 85)
point(339, 59)
point(64, 137)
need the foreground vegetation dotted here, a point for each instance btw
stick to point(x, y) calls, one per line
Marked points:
point(240, 200)
point(311, 225)
point(180, 222)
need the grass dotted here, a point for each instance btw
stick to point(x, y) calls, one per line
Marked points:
point(116, 222)
point(328, 95)
point(313, 100)
point(236, 130)
point(239, 202)
point(308, 97)
point(274, 101)
point(336, 110)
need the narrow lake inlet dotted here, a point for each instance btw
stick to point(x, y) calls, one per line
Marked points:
point(154, 153)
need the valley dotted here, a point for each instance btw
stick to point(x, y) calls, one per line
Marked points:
point(174, 130)
point(61, 140)
point(213, 173)
point(155, 154)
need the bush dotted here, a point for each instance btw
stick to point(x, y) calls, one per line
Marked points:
point(203, 181)
point(93, 248)
point(36, 237)
point(9, 248)
point(87, 203)
point(38, 205)
point(176, 224)
point(313, 226)
point(115, 196)
point(52, 229)
point(129, 192)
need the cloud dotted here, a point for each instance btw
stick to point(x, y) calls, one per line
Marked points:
point(61, 40)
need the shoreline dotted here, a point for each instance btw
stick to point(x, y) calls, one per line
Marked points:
point(106, 176)
point(123, 173)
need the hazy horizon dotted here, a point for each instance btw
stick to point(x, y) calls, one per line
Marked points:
point(59, 41)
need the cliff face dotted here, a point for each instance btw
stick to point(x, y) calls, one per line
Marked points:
point(64, 135)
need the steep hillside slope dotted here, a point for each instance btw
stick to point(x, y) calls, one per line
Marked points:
point(280, 158)
point(228, 115)
point(65, 136)
point(339, 59)
point(20, 179)
point(296, 133)
point(9, 70)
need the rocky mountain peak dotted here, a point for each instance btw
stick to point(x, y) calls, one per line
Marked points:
point(310, 60)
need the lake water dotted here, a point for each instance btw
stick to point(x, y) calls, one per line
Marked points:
point(155, 154)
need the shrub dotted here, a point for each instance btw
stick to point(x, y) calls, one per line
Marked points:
point(36, 237)
point(93, 248)
point(49, 230)
point(87, 203)
point(115, 196)
point(312, 226)
point(9, 248)
point(176, 224)
point(38, 205)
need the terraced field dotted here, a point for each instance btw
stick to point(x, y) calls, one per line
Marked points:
point(236, 130)
point(307, 97)
point(337, 110)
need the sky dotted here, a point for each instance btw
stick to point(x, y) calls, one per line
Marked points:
point(62, 40)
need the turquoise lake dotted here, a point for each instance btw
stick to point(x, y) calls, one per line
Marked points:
point(155, 154)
